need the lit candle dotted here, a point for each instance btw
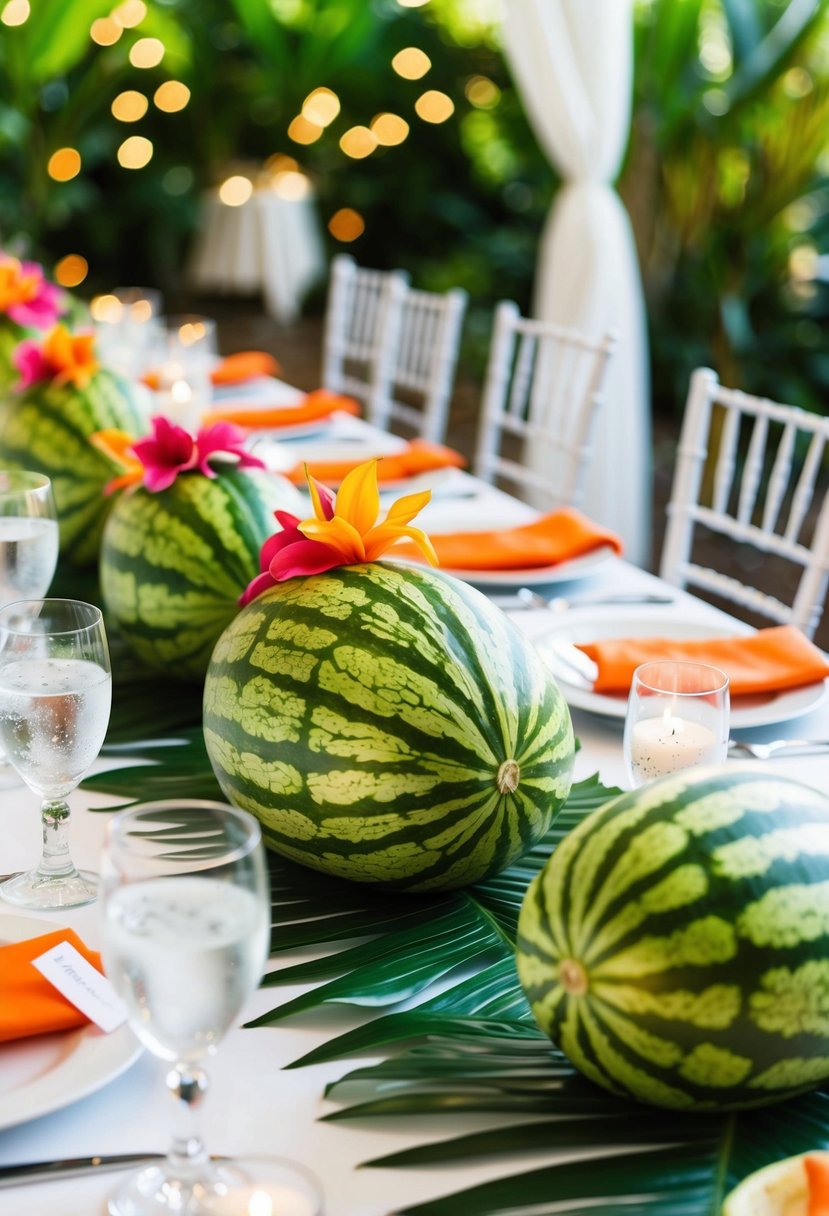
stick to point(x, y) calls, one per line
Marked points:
point(663, 745)
point(176, 397)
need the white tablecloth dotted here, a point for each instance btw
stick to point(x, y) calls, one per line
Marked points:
point(254, 1106)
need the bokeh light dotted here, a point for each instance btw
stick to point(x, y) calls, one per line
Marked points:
point(105, 31)
point(482, 92)
point(147, 53)
point(389, 129)
point(434, 106)
point(71, 270)
point(321, 107)
point(289, 184)
point(64, 164)
point(130, 13)
point(411, 63)
point(129, 106)
point(280, 163)
point(303, 131)
point(358, 142)
point(346, 225)
point(171, 96)
point(106, 308)
point(135, 152)
point(235, 190)
point(412, 3)
point(16, 12)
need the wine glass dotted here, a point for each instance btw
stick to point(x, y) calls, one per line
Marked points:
point(28, 549)
point(55, 696)
point(677, 717)
point(186, 928)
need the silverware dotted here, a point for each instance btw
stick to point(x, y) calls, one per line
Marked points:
point(567, 661)
point(44, 1171)
point(777, 747)
point(526, 598)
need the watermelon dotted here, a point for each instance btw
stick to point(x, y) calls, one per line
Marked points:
point(47, 428)
point(676, 944)
point(174, 563)
point(388, 725)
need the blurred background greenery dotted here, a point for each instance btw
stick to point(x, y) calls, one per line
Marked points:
point(114, 119)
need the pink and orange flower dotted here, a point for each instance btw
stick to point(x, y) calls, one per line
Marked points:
point(62, 358)
point(157, 460)
point(25, 296)
point(343, 531)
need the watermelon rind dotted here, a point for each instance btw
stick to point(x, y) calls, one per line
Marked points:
point(387, 725)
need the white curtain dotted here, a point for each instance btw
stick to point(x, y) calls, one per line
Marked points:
point(572, 63)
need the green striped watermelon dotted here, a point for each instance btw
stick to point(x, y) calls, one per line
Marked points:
point(387, 724)
point(174, 563)
point(47, 428)
point(676, 944)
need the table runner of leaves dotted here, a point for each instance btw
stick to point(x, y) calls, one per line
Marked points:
point(473, 1047)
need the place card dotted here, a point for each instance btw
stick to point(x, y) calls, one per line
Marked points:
point(76, 979)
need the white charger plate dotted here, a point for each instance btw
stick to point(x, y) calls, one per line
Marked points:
point(537, 576)
point(49, 1071)
point(591, 625)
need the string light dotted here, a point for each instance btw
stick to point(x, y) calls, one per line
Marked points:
point(129, 106)
point(130, 13)
point(482, 92)
point(433, 106)
point(279, 163)
point(389, 129)
point(105, 31)
point(291, 185)
point(303, 131)
point(64, 164)
point(16, 12)
point(346, 225)
point(135, 152)
point(411, 63)
point(358, 142)
point(106, 308)
point(71, 270)
point(171, 96)
point(147, 53)
point(321, 107)
point(236, 190)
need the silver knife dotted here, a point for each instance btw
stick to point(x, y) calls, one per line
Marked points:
point(43, 1171)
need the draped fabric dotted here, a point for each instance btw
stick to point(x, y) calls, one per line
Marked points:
point(572, 61)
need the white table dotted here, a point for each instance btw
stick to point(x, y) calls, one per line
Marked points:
point(254, 1107)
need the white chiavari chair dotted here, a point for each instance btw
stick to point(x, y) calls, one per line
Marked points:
point(542, 391)
point(750, 469)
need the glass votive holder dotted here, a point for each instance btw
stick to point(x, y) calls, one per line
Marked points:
point(677, 717)
point(181, 394)
point(127, 324)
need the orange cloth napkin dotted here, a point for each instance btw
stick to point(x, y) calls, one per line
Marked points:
point(244, 365)
point(419, 456)
point(767, 661)
point(29, 1004)
point(554, 538)
point(314, 407)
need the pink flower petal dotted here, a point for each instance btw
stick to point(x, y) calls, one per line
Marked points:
point(327, 498)
point(303, 557)
point(256, 586)
point(31, 363)
point(224, 439)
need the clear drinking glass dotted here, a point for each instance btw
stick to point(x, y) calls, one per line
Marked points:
point(186, 927)
point(677, 717)
point(55, 696)
point(28, 550)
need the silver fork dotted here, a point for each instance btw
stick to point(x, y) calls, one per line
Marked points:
point(777, 747)
point(526, 598)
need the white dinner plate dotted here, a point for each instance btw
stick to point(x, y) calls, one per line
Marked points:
point(537, 576)
point(49, 1071)
point(591, 625)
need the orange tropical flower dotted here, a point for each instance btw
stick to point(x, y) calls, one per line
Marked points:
point(343, 532)
point(16, 285)
point(62, 357)
point(117, 446)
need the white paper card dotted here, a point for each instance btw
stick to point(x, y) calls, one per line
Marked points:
point(76, 979)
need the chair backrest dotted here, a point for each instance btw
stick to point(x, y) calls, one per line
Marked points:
point(542, 391)
point(750, 469)
point(362, 323)
point(423, 368)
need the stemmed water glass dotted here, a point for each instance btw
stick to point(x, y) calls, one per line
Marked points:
point(186, 927)
point(55, 696)
point(28, 549)
point(677, 717)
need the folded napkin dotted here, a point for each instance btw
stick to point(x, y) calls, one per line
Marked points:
point(767, 661)
point(314, 407)
point(419, 456)
point(244, 365)
point(554, 538)
point(29, 1005)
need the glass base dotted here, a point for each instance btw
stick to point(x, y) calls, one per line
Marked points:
point(45, 892)
point(248, 1186)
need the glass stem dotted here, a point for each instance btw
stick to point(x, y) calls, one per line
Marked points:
point(188, 1085)
point(55, 861)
